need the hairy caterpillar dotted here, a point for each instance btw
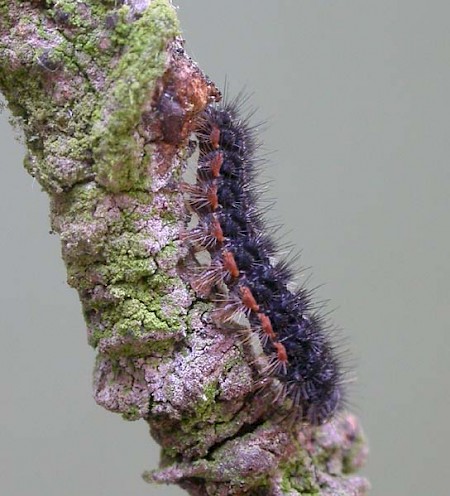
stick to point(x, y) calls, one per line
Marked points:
point(232, 229)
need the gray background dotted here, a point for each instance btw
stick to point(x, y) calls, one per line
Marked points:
point(356, 97)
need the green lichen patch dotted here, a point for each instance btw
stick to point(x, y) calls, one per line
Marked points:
point(136, 311)
point(297, 478)
point(126, 260)
point(128, 319)
point(116, 147)
point(58, 115)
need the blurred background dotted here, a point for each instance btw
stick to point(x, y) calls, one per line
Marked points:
point(356, 98)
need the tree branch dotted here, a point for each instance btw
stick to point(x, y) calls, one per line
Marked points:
point(107, 100)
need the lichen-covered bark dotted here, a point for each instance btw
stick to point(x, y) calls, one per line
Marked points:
point(107, 100)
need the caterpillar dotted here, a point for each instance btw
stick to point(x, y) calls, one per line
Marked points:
point(242, 271)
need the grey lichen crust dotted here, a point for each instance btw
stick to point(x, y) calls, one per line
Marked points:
point(107, 100)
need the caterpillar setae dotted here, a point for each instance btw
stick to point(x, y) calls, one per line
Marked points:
point(243, 274)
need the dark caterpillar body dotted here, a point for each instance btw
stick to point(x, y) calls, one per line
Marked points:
point(232, 230)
